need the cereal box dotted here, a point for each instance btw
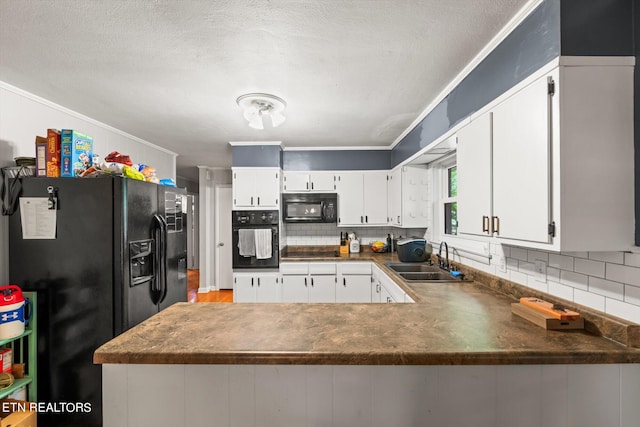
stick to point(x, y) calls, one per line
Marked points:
point(53, 153)
point(76, 151)
point(41, 156)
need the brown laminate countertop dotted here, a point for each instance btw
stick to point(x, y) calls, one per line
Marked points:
point(457, 323)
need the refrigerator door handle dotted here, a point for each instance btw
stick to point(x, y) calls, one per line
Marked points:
point(156, 284)
point(163, 255)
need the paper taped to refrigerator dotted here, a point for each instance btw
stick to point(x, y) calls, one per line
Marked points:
point(38, 221)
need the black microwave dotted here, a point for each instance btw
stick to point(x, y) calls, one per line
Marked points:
point(310, 207)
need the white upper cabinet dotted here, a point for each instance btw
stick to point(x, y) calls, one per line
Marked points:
point(256, 188)
point(320, 182)
point(362, 198)
point(551, 165)
point(521, 172)
point(408, 197)
point(474, 177)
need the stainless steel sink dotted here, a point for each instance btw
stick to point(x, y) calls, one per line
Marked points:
point(412, 268)
point(430, 276)
point(416, 272)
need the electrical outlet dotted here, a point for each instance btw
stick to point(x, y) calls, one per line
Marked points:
point(541, 271)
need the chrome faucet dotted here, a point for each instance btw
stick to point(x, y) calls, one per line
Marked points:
point(443, 264)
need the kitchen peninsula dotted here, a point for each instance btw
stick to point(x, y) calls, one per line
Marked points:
point(456, 357)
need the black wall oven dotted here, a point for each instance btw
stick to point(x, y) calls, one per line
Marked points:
point(310, 207)
point(255, 239)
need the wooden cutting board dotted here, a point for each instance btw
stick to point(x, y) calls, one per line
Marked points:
point(544, 320)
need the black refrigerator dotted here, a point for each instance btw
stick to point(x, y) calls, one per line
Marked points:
point(119, 256)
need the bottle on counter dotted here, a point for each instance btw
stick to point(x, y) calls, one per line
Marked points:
point(389, 243)
point(344, 245)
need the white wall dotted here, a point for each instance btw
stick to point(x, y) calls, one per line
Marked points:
point(23, 116)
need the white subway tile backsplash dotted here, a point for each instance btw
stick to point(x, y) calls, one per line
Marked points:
point(534, 283)
point(560, 290)
point(632, 294)
point(589, 299)
point(588, 267)
point(606, 288)
point(576, 254)
point(553, 274)
point(537, 256)
point(519, 253)
point(562, 262)
point(632, 259)
point(576, 280)
point(624, 310)
point(613, 257)
point(623, 273)
point(518, 277)
point(526, 267)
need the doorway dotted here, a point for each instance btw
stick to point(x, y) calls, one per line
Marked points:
point(223, 242)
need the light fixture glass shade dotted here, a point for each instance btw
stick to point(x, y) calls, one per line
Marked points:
point(258, 105)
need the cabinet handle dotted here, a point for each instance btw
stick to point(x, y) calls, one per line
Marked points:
point(361, 220)
point(398, 219)
point(258, 282)
point(366, 219)
point(258, 201)
point(312, 185)
point(251, 200)
point(307, 185)
point(252, 282)
point(344, 282)
point(305, 281)
point(496, 225)
point(312, 281)
point(485, 224)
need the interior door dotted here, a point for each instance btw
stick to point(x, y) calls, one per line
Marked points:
point(223, 248)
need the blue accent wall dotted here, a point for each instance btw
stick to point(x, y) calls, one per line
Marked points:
point(320, 160)
point(256, 156)
point(535, 42)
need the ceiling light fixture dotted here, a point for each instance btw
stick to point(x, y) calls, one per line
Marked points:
point(257, 106)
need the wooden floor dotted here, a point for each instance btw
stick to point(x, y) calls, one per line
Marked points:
point(193, 283)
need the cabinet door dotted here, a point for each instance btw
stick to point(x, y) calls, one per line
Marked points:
point(323, 288)
point(350, 200)
point(354, 288)
point(415, 197)
point(267, 188)
point(521, 167)
point(322, 181)
point(385, 296)
point(267, 289)
point(474, 176)
point(394, 196)
point(376, 288)
point(375, 198)
point(295, 182)
point(243, 189)
point(295, 288)
point(244, 288)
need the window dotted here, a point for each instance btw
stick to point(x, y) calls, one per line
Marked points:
point(450, 203)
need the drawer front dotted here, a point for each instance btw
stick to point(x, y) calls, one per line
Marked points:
point(322, 268)
point(287, 268)
point(355, 268)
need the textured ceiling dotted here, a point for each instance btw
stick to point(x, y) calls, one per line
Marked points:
point(353, 73)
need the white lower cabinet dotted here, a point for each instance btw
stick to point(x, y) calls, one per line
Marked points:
point(354, 282)
point(256, 287)
point(318, 282)
point(308, 282)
